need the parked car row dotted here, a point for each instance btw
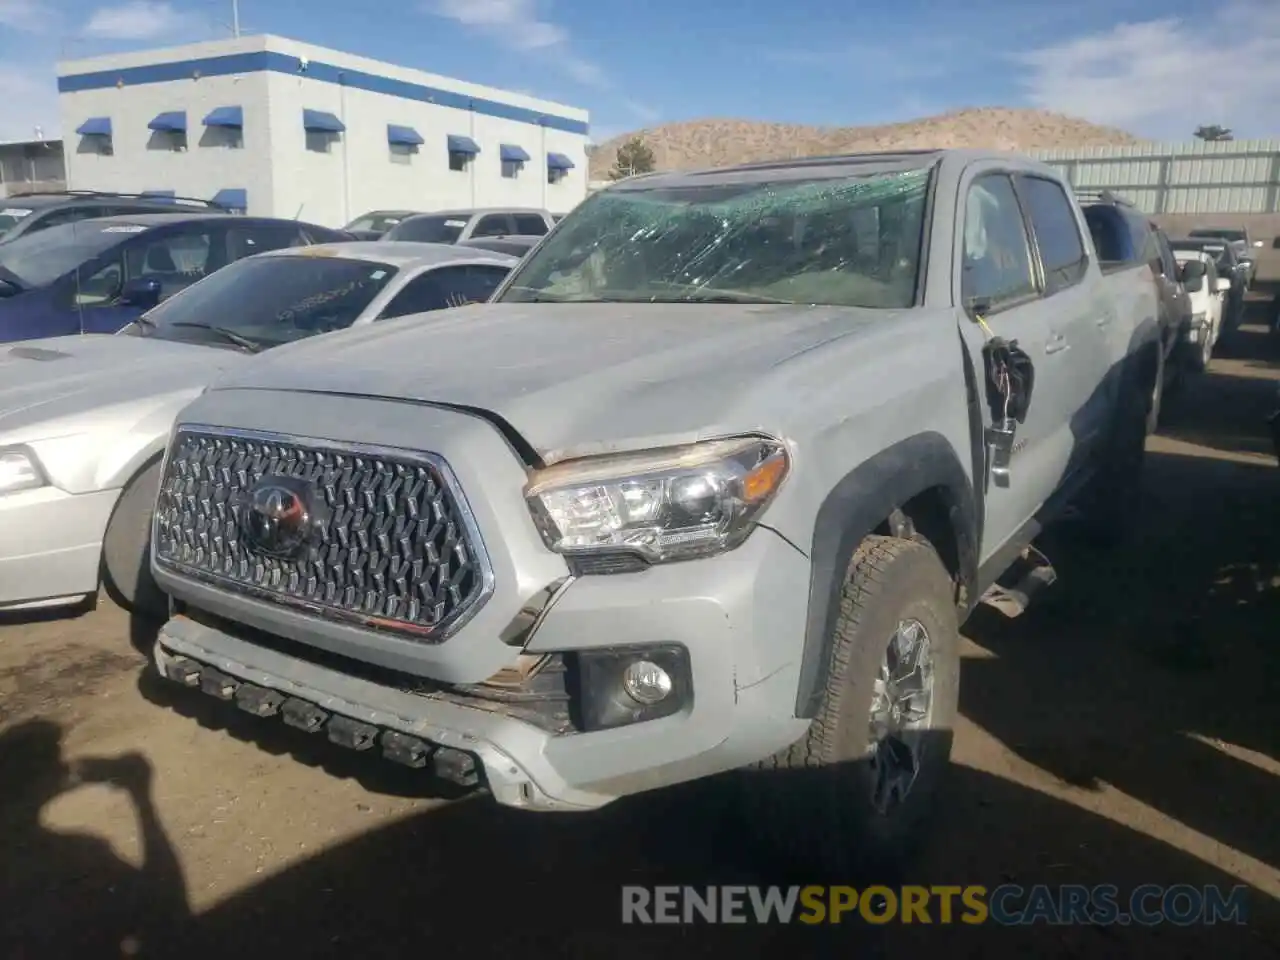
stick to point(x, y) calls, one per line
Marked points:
point(84, 419)
point(708, 483)
point(453, 226)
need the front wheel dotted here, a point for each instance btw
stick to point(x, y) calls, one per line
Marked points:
point(126, 549)
point(855, 794)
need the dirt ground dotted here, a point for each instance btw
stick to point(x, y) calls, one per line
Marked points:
point(1126, 730)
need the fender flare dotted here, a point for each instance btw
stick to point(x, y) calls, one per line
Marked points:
point(855, 507)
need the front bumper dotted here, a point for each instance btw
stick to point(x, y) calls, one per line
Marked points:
point(739, 617)
point(51, 546)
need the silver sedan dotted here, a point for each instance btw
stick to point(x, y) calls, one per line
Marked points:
point(84, 420)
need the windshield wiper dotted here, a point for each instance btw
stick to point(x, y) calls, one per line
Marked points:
point(249, 346)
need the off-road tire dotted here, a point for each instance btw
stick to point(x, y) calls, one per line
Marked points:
point(1115, 496)
point(126, 549)
point(811, 803)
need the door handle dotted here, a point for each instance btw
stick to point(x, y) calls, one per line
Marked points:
point(1056, 343)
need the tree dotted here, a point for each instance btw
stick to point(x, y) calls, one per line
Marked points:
point(634, 157)
point(1213, 133)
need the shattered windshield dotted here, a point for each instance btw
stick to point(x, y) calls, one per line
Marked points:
point(853, 241)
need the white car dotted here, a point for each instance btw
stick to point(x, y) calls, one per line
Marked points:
point(84, 420)
point(1208, 292)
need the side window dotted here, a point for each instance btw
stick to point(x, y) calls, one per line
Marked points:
point(997, 259)
point(530, 225)
point(245, 241)
point(101, 287)
point(444, 287)
point(69, 215)
point(494, 225)
point(1057, 233)
point(177, 260)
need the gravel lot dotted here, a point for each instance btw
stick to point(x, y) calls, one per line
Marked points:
point(1126, 731)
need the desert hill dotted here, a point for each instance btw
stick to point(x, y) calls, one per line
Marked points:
point(717, 143)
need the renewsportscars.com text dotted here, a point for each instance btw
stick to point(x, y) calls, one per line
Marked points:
point(1006, 905)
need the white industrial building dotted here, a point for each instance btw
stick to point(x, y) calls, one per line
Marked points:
point(278, 128)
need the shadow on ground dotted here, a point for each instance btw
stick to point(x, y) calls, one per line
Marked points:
point(472, 880)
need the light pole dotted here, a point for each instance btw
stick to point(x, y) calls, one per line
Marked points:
point(235, 18)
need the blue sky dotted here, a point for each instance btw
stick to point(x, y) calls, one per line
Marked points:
point(1155, 67)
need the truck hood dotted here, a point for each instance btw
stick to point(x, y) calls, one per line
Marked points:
point(573, 379)
point(48, 380)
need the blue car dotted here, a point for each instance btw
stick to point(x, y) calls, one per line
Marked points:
point(96, 276)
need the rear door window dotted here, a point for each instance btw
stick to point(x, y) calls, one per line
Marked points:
point(530, 225)
point(445, 287)
point(245, 241)
point(1057, 233)
point(494, 225)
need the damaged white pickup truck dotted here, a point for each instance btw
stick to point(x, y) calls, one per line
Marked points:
point(709, 485)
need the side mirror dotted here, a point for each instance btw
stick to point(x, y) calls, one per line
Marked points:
point(141, 292)
point(1196, 284)
point(1223, 285)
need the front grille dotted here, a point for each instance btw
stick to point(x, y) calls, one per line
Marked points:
point(391, 545)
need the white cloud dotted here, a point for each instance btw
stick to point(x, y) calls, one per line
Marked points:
point(1163, 78)
point(515, 24)
point(31, 101)
point(137, 20)
point(24, 15)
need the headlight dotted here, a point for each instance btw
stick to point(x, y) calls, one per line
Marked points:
point(19, 470)
point(671, 504)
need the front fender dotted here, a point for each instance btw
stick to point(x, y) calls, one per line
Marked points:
point(856, 506)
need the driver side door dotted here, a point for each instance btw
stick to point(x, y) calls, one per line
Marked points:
point(999, 281)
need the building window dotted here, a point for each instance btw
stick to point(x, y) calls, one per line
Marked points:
point(511, 168)
point(230, 138)
point(459, 162)
point(321, 141)
point(555, 176)
point(402, 153)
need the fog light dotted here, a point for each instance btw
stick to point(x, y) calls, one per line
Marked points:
point(618, 686)
point(646, 682)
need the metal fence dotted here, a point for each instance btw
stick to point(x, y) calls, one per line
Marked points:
point(1236, 176)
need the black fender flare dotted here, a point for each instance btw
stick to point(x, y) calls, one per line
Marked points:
point(854, 508)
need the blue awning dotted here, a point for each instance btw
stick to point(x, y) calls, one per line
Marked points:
point(232, 117)
point(319, 121)
point(513, 154)
point(407, 136)
point(175, 121)
point(233, 198)
point(461, 144)
point(558, 161)
point(95, 127)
